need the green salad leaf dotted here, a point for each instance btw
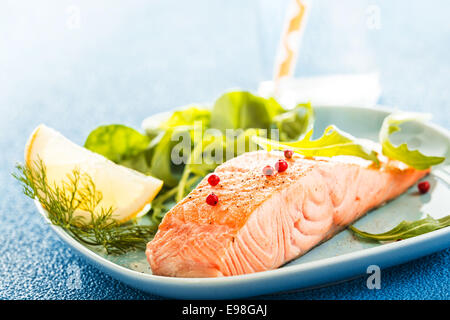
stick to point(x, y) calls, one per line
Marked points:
point(245, 140)
point(412, 158)
point(184, 117)
point(169, 132)
point(293, 124)
point(333, 142)
point(116, 142)
point(405, 229)
point(187, 117)
point(243, 110)
point(161, 165)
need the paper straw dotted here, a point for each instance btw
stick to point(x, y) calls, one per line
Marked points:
point(290, 40)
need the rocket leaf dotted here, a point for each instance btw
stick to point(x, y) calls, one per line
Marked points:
point(333, 142)
point(401, 153)
point(406, 229)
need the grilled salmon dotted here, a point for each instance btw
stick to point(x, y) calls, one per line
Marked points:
point(261, 222)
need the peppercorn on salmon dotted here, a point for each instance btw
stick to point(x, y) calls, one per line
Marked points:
point(261, 222)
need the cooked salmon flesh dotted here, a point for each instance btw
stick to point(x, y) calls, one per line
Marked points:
point(261, 222)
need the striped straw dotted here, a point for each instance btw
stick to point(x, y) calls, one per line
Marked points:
point(290, 40)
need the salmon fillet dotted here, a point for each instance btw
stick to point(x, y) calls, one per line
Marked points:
point(260, 222)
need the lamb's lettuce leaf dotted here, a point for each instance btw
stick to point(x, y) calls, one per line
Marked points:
point(187, 117)
point(413, 158)
point(184, 117)
point(243, 110)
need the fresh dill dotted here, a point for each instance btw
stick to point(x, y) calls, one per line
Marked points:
point(78, 192)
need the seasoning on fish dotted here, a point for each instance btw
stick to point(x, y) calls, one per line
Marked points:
point(281, 165)
point(268, 171)
point(212, 199)
point(288, 153)
point(213, 179)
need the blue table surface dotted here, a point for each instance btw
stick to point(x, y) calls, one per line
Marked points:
point(74, 65)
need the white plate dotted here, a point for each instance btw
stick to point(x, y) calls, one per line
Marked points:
point(342, 257)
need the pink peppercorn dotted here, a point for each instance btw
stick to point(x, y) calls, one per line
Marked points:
point(281, 165)
point(212, 199)
point(213, 180)
point(423, 187)
point(288, 153)
point(268, 171)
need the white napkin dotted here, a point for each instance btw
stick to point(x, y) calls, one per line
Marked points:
point(334, 90)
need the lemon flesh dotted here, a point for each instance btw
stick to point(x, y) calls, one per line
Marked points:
point(126, 191)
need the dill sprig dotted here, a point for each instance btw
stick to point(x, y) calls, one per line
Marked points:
point(78, 191)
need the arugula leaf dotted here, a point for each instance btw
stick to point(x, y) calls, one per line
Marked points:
point(333, 142)
point(412, 158)
point(294, 123)
point(243, 110)
point(406, 229)
point(117, 142)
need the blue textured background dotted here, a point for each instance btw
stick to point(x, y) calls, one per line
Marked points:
point(127, 60)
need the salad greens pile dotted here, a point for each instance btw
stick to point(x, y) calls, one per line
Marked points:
point(207, 130)
point(253, 120)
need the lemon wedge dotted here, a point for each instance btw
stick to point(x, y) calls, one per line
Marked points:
point(126, 191)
